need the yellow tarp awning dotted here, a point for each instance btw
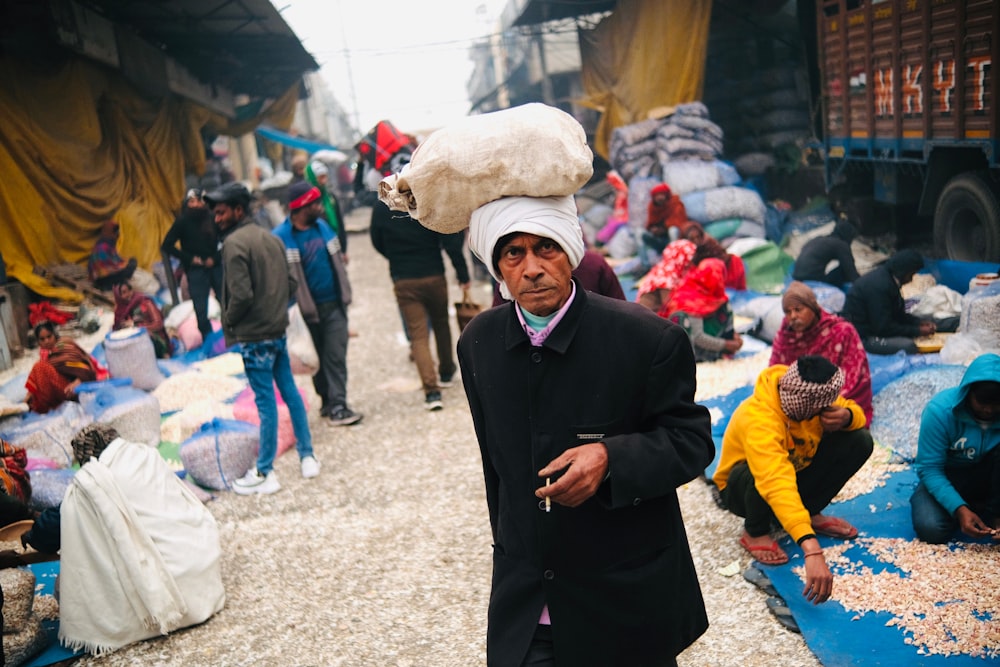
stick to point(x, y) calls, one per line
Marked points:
point(647, 54)
point(78, 145)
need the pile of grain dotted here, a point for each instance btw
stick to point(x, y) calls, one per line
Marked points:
point(942, 597)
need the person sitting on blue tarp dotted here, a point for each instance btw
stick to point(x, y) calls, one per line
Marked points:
point(876, 308)
point(958, 458)
point(817, 254)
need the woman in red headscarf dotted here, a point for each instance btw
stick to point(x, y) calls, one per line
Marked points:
point(736, 275)
point(135, 309)
point(701, 307)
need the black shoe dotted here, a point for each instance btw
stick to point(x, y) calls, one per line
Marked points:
point(447, 381)
point(344, 417)
point(432, 401)
point(324, 411)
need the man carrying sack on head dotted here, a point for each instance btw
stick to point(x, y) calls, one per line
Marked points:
point(417, 271)
point(584, 410)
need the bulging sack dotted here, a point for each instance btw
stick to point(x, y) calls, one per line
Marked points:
point(532, 150)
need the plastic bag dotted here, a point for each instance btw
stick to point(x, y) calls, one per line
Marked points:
point(301, 349)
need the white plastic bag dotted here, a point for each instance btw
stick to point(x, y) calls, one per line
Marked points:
point(301, 350)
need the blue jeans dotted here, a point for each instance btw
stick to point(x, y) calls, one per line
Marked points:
point(266, 364)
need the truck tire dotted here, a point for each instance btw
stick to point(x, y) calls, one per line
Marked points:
point(967, 219)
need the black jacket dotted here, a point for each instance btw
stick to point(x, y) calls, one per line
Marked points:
point(198, 236)
point(817, 253)
point(616, 572)
point(413, 250)
point(876, 308)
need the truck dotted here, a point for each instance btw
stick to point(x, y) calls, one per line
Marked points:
point(909, 115)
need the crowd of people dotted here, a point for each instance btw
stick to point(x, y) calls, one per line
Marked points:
point(590, 552)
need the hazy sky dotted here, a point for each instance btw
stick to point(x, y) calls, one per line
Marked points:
point(405, 61)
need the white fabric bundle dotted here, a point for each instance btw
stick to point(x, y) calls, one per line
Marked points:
point(532, 150)
point(140, 554)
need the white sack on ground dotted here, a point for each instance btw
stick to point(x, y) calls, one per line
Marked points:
point(166, 577)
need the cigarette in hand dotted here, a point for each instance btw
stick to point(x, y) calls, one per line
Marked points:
point(548, 501)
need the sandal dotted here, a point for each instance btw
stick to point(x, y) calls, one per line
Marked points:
point(834, 527)
point(779, 557)
point(755, 576)
point(781, 612)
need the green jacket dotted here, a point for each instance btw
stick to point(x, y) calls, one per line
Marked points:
point(257, 286)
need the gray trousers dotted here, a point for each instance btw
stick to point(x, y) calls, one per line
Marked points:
point(330, 338)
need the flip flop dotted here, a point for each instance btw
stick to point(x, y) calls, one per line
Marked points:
point(783, 614)
point(755, 576)
point(834, 527)
point(781, 558)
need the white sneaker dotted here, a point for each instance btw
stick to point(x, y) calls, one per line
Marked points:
point(310, 467)
point(254, 482)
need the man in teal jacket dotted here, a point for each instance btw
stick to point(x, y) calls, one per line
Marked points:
point(958, 458)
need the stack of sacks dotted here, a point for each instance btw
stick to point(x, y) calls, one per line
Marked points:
point(632, 149)
point(774, 110)
point(641, 150)
point(686, 134)
point(727, 212)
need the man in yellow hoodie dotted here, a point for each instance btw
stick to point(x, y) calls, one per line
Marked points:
point(788, 450)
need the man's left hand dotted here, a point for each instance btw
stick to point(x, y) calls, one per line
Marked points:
point(583, 467)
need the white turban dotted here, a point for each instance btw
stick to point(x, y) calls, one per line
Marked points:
point(550, 217)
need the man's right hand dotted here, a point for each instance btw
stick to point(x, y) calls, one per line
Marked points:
point(927, 328)
point(971, 524)
point(819, 579)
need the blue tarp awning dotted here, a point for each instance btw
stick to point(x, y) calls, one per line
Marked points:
point(295, 142)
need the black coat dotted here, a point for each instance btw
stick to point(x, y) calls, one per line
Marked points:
point(876, 308)
point(616, 572)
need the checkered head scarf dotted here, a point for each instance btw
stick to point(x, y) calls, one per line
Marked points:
point(92, 440)
point(809, 385)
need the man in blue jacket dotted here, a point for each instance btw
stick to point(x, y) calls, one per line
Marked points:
point(316, 261)
point(958, 458)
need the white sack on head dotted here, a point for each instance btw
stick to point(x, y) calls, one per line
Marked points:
point(550, 217)
point(532, 150)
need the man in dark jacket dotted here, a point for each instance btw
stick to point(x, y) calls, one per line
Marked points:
point(817, 254)
point(417, 271)
point(876, 308)
point(585, 415)
point(199, 254)
point(256, 289)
